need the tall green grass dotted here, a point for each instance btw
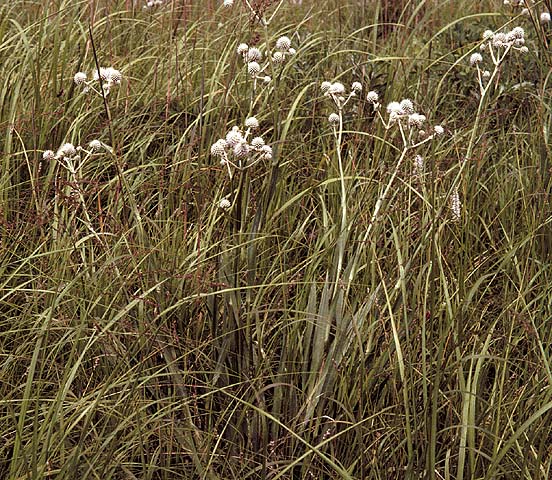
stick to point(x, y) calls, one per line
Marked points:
point(336, 322)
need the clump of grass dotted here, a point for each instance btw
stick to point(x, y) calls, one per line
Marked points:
point(231, 273)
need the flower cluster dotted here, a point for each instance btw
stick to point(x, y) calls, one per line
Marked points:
point(153, 3)
point(498, 44)
point(109, 77)
point(237, 150)
point(543, 16)
point(337, 92)
point(69, 155)
point(253, 57)
point(404, 114)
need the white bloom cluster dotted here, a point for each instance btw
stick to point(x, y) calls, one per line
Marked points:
point(543, 16)
point(70, 152)
point(498, 44)
point(109, 76)
point(253, 57)
point(237, 150)
point(153, 3)
point(337, 92)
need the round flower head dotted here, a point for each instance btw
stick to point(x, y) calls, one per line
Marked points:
point(252, 123)
point(333, 118)
point(225, 204)
point(438, 129)
point(325, 87)
point(475, 59)
point(253, 68)
point(95, 145)
point(544, 17)
point(395, 107)
point(257, 143)
point(113, 75)
point(356, 87)
point(67, 150)
point(228, 3)
point(278, 57)
point(336, 88)
point(517, 32)
point(241, 150)
point(416, 120)
point(48, 155)
point(267, 152)
point(267, 79)
point(500, 39)
point(233, 137)
point(218, 148)
point(486, 74)
point(283, 43)
point(524, 50)
point(488, 34)
point(243, 48)
point(372, 97)
point(292, 51)
point(407, 106)
point(254, 55)
point(79, 78)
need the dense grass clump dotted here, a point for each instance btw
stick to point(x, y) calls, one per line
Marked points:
point(275, 239)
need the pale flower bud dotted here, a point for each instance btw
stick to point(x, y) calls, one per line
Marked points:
point(333, 119)
point(475, 59)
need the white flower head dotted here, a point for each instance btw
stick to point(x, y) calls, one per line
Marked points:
point(333, 119)
point(267, 152)
point(278, 57)
point(438, 129)
point(95, 145)
point(407, 106)
point(325, 87)
point(356, 87)
point(48, 155)
point(233, 137)
point(225, 204)
point(336, 88)
point(228, 3)
point(395, 108)
point(243, 48)
point(253, 68)
point(283, 44)
point(416, 120)
point(218, 149)
point(545, 17)
point(475, 59)
point(79, 78)
point(253, 55)
point(66, 150)
point(372, 97)
point(252, 123)
point(257, 143)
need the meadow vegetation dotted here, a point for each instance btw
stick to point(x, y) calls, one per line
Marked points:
point(275, 239)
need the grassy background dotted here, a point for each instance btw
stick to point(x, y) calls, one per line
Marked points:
point(147, 334)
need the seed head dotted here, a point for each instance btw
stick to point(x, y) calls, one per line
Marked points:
point(488, 34)
point(416, 120)
point(356, 87)
point(233, 137)
point(241, 149)
point(66, 150)
point(267, 152)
